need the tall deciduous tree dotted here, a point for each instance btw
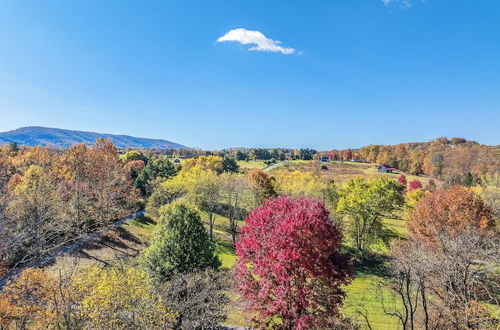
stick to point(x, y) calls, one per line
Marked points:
point(234, 196)
point(365, 203)
point(445, 284)
point(49, 198)
point(261, 186)
point(199, 299)
point(110, 182)
point(34, 211)
point(111, 298)
point(30, 301)
point(74, 172)
point(289, 271)
point(211, 163)
point(205, 193)
point(450, 210)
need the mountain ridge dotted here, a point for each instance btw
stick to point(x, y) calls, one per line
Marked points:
point(64, 138)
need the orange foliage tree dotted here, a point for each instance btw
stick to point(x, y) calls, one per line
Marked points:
point(261, 185)
point(33, 300)
point(450, 210)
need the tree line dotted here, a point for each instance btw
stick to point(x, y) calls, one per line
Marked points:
point(454, 161)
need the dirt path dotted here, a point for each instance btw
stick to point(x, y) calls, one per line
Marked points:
point(274, 166)
point(72, 247)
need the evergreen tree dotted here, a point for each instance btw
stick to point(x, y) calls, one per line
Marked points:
point(14, 147)
point(229, 164)
point(180, 244)
point(469, 180)
point(155, 168)
point(241, 155)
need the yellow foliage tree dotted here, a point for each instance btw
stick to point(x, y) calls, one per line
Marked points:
point(110, 298)
point(412, 198)
point(213, 163)
point(299, 184)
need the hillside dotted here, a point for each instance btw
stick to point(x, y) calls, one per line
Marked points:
point(62, 138)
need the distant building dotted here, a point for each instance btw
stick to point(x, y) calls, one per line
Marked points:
point(386, 168)
point(325, 159)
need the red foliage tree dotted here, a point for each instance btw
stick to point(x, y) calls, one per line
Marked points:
point(347, 154)
point(289, 268)
point(402, 180)
point(415, 184)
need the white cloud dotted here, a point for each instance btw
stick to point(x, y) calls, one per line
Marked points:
point(405, 3)
point(261, 42)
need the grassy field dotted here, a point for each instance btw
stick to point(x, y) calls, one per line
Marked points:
point(338, 171)
point(373, 171)
point(362, 298)
point(342, 171)
point(251, 164)
point(364, 293)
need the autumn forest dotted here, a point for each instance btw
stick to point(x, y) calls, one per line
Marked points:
point(262, 238)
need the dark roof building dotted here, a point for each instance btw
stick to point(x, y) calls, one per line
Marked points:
point(386, 168)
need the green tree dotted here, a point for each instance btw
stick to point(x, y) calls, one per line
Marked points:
point(155, 168)
point(180, 244)
point(306, 154)
point(365, 203)
point(229, 164)
point(14, 147)
point(470, 180)
point(205, 193)
point(240, 155)
point(133, 155)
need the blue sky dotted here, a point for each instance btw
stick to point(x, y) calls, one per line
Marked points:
point(356, 71)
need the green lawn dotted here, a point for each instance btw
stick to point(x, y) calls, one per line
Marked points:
point(225, 249)
point(362, 298)
point(251, 164)
point(141, 226)
point(397, 225)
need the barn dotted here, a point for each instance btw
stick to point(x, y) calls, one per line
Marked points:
point(386, 168)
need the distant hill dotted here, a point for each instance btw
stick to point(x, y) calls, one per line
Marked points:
point(62, 138)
